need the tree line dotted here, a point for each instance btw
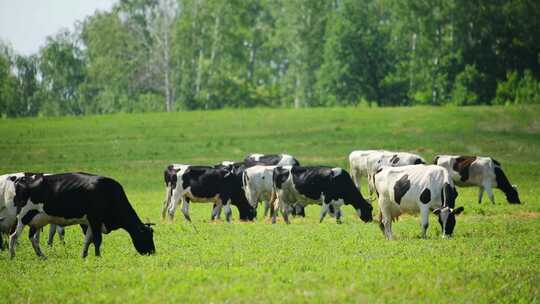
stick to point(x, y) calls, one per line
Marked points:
point(167, 55)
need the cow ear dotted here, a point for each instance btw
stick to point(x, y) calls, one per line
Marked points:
point(458, 210)
point(437, 211)
point(12, 178)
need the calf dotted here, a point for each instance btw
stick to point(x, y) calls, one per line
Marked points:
point(205, 184)
point(413, 189)
point(365, 163)
point(330, 187)
point(483, 172)
point(97, 202)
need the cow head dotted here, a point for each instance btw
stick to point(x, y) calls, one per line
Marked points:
point(29, 187)
point(342, 179)
point(512, 195)
point(447, 219)
point(143, 239)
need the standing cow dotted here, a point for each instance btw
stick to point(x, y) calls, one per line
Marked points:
point(95, 202)
point(364, 163)
point(414, 189)
point(483, 172)
point(327, 186)
point(275, 160)
point(257, 182)
point(219, 185)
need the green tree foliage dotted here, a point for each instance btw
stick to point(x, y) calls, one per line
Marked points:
point(164, 55)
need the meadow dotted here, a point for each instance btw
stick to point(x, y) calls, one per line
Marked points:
point(494, 255)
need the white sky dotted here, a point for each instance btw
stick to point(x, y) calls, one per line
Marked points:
point(25, 24)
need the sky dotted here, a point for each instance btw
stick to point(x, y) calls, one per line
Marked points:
point(25, 24)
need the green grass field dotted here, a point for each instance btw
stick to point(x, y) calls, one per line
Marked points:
point(494, 255)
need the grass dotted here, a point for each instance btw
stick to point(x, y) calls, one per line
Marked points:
point(493, 257)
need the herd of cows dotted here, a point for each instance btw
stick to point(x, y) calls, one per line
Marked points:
point(401, 181)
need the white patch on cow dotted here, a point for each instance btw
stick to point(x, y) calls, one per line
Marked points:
point(256, 156)
point(337, 171)
point(227, 163)
point(8, 211)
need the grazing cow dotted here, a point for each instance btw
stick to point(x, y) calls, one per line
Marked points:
point(484, 172)
point(365, 163)
point(97, 202)
point(330, 187)
point(8, 211)
point(205, 184)
point(413, 189)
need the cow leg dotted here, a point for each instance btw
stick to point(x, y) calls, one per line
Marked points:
point(33, 235)
point(96, 236)
point(424, 218)
point(166, 202)
point(266, 207)
point(185, 208)
point(13, 238)
point(61, 233)
point(87, 240)
point(338, 214)
point(324, 210)
point(52, 232)
point(285, 208)
point(385, 224)
point(216, 212)
point(273, 209)
point(489, 191)
point(228, 211)
point(173, 203)
point(480, 194)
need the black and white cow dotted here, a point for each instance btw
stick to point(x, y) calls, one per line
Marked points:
point(96, 202)
point(275, 160)
point(416, 189)
point(364, 163)
point(327, 186)
point(220, 185)
point(8, 211)
point(483, 172)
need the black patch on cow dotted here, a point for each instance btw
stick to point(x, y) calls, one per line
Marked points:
point(449, 195)
point(280, 176)
point(425, 197)
point(27, 218)
point(462, 166)
point(394, 160)
point(496, 162)
point(401, 187)
point(418, 161)
point(503, 183)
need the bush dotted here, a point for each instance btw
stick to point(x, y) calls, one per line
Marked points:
point(467, 86)
point(515, 90)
